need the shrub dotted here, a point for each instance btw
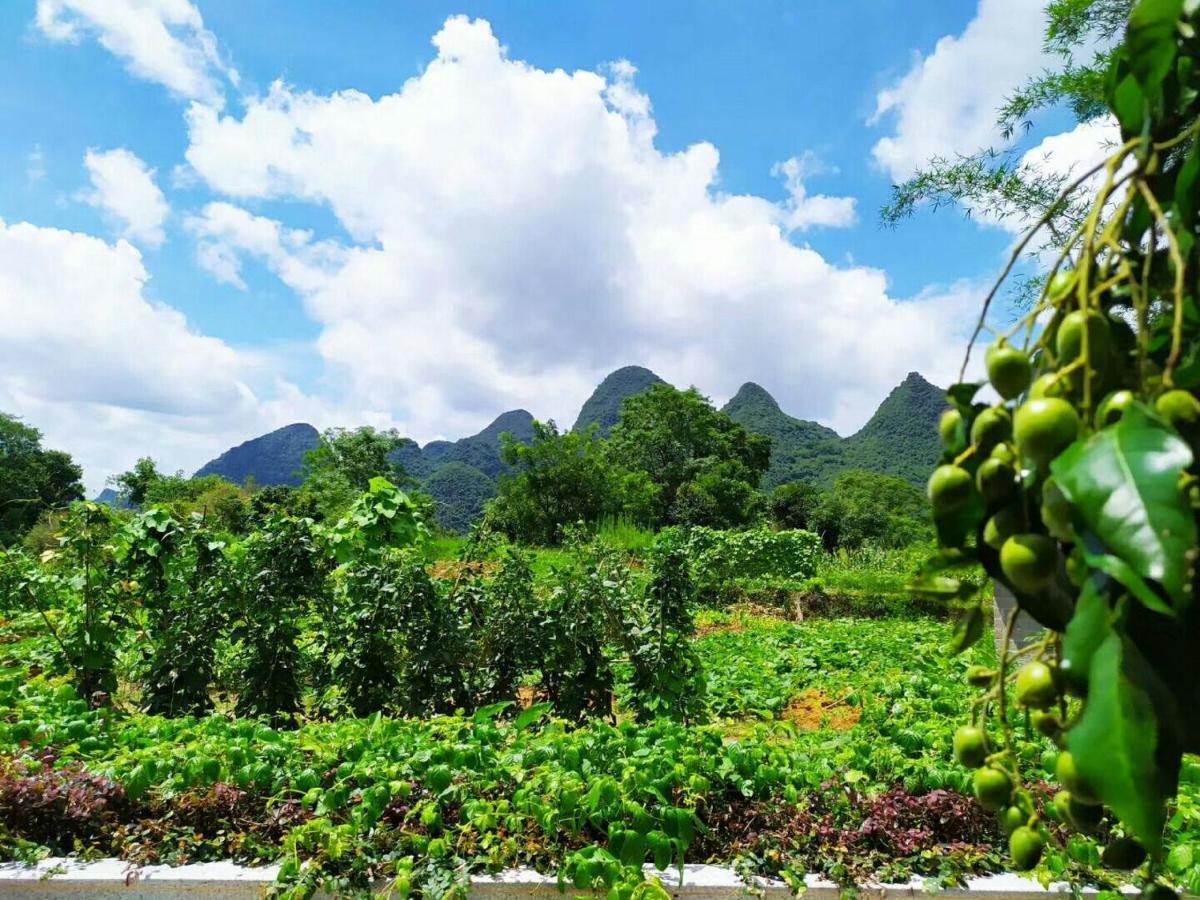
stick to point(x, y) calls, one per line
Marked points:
point(718, 557)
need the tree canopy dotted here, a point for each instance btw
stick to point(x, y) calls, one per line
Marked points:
point(32, 478)
point(344, 462)
point(707, 467)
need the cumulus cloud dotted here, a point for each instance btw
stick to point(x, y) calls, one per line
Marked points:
point(109, 375)
point(515, 234)
point(947, 102)
point(163, 41)
point(803, 211)
point(124, 188)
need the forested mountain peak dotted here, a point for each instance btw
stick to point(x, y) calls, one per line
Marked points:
point(272, 458)
point(603, 407)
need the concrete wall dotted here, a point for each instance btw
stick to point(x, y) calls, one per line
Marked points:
point(64, 878)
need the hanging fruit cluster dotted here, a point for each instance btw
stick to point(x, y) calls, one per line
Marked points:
point(1078, 490)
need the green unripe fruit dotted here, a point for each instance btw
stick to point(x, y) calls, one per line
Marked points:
point(993, 788)
point(1056, 511)
point(1008, 369)
point(1060, 285)
point(1011, 818)
point(1036, 686)
point(950, 488)
point(1123, 853)
point(1068, 776)
point(1045, 427)
point(1181, 409)
point(991, 427)
point(996, 480)
point(1046, 723)
point(970, 746)
point(1005, 454)
point(1113, 407)
point(1025, 847)
point(1068, 342)
point(1049, 385)
point(1029, 561)
point(1049, 760)
point(1003, 525)
point(950, 429)
point(980, 676)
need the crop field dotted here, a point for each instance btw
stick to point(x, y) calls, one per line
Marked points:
point(819, 746)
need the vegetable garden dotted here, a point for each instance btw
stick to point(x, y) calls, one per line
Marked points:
point(330, 697)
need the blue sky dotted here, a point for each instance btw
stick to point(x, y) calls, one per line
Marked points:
point(195, 256)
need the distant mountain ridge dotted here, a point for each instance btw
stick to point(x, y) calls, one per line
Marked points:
point(899, 439)
point(274, 458)
point(603, 407)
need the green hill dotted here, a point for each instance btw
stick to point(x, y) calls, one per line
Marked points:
point(900, 439)
point(603, 408)
point(800, 450)
point(273, 458)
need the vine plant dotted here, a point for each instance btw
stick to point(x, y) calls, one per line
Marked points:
point(1079, 488)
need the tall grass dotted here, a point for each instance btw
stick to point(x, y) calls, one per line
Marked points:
point(624, 534)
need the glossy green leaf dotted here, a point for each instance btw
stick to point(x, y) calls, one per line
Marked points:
point(1086, 631)
point(1115, 741)
point(1129, 103)
point(1122, 573)
point(1151, 40)
point(1187, 186)
point(531, 715)
point(1124, 483)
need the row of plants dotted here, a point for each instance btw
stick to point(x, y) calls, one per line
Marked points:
point(298, 617)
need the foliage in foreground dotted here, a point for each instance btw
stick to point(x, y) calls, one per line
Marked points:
point(1079, 489)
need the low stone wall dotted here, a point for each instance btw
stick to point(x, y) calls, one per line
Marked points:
point(64, 878)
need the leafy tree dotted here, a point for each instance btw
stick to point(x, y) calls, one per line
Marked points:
point(133, 487)
point(1079, 489)
point(991, 182)
point(793, 505)
point(719, 497)
point(344, 462)
point(866, 507)
point(678, 438)
point(560, 479)
point(667, 678)
point(219, 502)
point(32, 479)
point(280, 498)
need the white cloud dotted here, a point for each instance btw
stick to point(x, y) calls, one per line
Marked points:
point(517, 235)
point(163, 41)
point(123, 187)
point(110, 375)
point(802, 211)
point(948, 101)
